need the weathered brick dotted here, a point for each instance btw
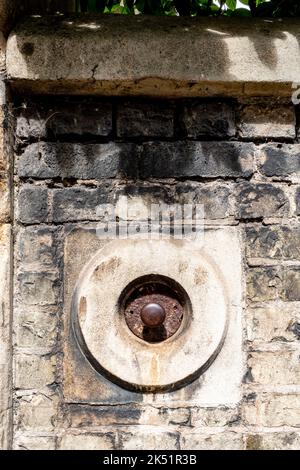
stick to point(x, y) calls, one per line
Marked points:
point(264, 284)
point(24, 442)
point(196, 159)
point(37, 247)
point(214, 417)
point(267, 121)
point(275, 367)
point(215, 198)
point(297, 200)
point(277, 322)
point(88, 416)
point(273, 441)
point(87, 441)
point(38, 288)
point(85, 416)
point(36, 412)
point(154, 439)
point(80, 161)
point(273, 329)
point(274, 242)
point(273, 410)
point(33, 372)
point(48, 120)
point(261, 201)
point(4, 199)
point(148, 193)
point(217, 441)
point(141, 119)
point(78, 203)
point(32, 204)
point(263, 242)
point(292, 283)
point(165, 416)
point(5, 334)
point(280, 160)
point(36, 328)
point(214, 119)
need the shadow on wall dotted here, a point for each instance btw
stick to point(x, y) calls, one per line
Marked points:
point(45, 6)
point(141, 47)
point(131, 161)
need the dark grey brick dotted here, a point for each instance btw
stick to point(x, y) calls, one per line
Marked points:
point(264, 242)
point(274, 242)
point(214, 198)
point(279, 159)
point(32, 204)
point(264, 284)
point(192, 159)
point(82, 161)
point(263, 120)
point(44, 120)
point(78, 203)
point(261, 200)
point(145, 120)
point(149, 193)
point(213, 119)
point(85, 416)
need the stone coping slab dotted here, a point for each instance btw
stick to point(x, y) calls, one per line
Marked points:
point(154, 56)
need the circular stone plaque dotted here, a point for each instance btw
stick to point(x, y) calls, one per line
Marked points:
point(116, 347)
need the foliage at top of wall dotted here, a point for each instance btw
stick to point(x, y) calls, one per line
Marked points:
point(256, 8)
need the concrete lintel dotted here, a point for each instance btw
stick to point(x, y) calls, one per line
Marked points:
point(158, 56)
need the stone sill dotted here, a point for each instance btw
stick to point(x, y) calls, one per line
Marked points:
point(154, 56)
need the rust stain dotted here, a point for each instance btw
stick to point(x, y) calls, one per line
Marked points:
point(154, 370)
point(82, 309)
point(106, 267)
point(200, 276)
point(183, 266)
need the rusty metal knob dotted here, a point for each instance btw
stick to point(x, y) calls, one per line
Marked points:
point(153, 315)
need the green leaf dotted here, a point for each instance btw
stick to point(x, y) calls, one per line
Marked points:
point(243, 12)
point(231, 4)
point(140, 5)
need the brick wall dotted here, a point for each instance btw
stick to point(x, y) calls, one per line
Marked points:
point(242, 161)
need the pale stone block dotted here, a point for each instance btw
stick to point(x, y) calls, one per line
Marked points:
point(4, 200)
point(214, 417)
point(273, 323)
point(275, 367)
point(87, 441)
point(37, 412)
point(34, 372)
point(149, 439)
point(25, 442)
point(221, 246)
point(274, 410)
point(218, 441)
point(5, 340)
point(165, 416)
point(36, 328)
